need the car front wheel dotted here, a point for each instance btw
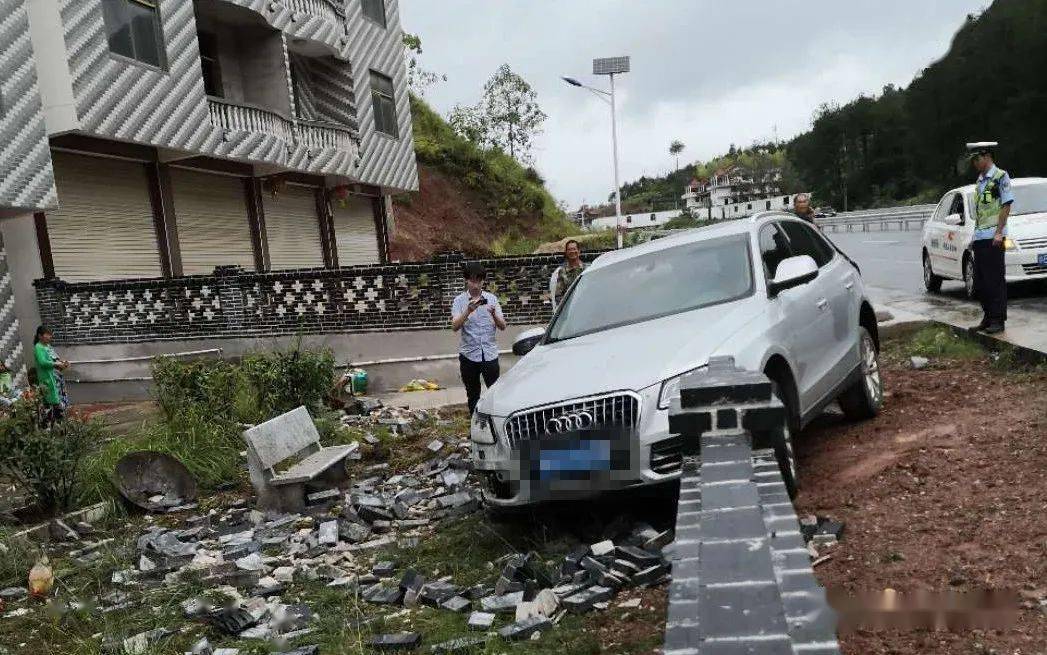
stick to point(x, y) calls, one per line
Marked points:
point(863, 399)
point(931, 282)
point(781, 441)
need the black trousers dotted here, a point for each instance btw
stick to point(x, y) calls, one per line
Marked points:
point(471, 373)
point(989, 281)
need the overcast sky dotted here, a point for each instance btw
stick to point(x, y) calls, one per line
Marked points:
point(707, 72)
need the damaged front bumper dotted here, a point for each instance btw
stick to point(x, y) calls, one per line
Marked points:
point(574, 465)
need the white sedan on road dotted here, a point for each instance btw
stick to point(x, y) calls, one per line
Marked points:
point(947, 236)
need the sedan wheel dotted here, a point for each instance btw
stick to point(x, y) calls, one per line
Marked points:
point(863, 399)
point(931, 282)
point(968, 277)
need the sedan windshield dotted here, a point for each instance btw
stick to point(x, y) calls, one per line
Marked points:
point(1029, 199)
point(670, 281)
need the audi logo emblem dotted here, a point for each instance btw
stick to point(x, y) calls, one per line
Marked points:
point(569, 423)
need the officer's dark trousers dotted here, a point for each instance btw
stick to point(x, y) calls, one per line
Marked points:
point(989, 281)
point(471, 372)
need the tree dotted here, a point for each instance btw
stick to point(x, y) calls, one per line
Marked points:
point(675, 148)
point(470, 123)
point(511, 114)
point(418, 79)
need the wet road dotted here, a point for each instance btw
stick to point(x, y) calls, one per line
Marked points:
point(891, 265)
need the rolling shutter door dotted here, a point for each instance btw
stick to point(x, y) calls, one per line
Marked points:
point(213, 228)
point(293, 228)
point(103, 228)
point(354, 231)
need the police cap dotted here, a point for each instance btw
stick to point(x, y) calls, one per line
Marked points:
point(981, 148)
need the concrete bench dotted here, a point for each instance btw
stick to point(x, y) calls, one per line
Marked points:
point(284, 455)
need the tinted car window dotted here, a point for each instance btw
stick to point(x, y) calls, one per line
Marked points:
point(957, 206)
point(657, 284)
point(774, 247)
point(805, 241)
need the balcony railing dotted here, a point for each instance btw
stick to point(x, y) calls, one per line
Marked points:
point(248, 118)
point(318, 134)
point(312, 134)
point(327, 9)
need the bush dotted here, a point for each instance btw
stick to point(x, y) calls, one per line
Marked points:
point(285, 380)
point(48, 462)
point(212, 385)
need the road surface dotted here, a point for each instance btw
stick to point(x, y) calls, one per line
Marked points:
point(893, 273)
point(891, 261)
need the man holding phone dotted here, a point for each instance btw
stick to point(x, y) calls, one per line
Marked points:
point(476, 314)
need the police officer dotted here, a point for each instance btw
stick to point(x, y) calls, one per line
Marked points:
point(992, 204)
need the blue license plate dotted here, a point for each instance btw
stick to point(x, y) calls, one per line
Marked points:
point(594, 455)
point(1041, 259)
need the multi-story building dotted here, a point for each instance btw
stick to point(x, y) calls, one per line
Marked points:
point(736, 193)
point(155, 140)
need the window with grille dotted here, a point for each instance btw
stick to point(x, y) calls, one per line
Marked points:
point(375, 10)
point(383, 100)
point(133, 29)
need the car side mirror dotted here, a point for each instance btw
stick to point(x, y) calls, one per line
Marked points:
point(953, 219)
point(527, 340)
point(792, 272)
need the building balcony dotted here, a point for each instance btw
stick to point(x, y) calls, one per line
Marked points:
point(303, 136)
point(321, 134)
point(243, 117)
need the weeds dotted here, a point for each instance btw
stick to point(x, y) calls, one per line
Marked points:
point(208, 447)
point(941, 342)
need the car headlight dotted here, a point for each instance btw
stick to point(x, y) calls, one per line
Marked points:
point(671, 387)
point(483, 429)
point(1008, 244)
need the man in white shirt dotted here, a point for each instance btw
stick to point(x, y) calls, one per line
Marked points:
point(477, 315)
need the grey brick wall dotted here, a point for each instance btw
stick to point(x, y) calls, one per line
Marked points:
point(236, 303)
point(742, 580)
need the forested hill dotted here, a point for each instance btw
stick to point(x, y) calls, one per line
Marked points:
point(906, 145)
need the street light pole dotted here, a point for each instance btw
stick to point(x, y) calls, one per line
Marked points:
point(617, 184)
point(610, 67)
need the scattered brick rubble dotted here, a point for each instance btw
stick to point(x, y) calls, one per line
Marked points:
point(249, 561)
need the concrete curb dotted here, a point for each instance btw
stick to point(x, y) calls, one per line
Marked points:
point(40, 532)
point(1023, 354)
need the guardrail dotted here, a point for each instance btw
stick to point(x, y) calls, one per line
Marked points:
point(904, 218)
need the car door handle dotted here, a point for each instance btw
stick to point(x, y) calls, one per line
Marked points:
point(849, 286)
point(823, 303)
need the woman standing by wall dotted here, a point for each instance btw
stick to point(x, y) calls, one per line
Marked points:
point(49, 379)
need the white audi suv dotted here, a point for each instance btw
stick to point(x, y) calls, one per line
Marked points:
point(586, 409)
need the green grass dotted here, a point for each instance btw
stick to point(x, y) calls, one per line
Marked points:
point(935, 342)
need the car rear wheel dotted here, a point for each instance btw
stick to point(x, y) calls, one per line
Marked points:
point(932, 282)
point(863, 399)
point(968, 277)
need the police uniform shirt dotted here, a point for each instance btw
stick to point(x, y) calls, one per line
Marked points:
point(1006, 198)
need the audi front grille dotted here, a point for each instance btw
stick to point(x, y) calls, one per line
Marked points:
point(614, 411)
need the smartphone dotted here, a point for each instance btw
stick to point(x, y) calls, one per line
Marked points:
point(481, 301)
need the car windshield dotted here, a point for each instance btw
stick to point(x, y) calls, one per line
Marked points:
point(1029, 199)
point(662, 283)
